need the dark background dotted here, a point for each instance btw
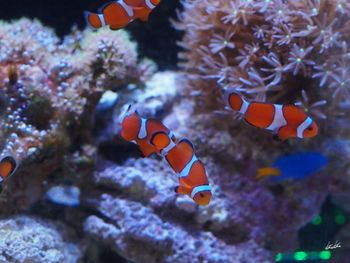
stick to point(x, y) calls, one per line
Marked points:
point(156, 38)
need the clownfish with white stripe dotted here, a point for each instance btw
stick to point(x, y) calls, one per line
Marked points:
point(285, 121)
point(8, 166)
point(118, 14)
point(193, 180)
point(140, 131)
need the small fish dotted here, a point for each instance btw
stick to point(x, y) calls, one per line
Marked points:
point(285, 121)
point(118, 14)
point(296, 166)
point(193, 180)
point(141, 131)
point(8, 166)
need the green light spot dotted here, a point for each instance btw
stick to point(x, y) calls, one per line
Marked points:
point(279, 257)
point(300, 255)
point(340, 219)
point(325, 255)
point(317, 221)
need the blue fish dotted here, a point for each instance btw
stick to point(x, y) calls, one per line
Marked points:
point(294, 166)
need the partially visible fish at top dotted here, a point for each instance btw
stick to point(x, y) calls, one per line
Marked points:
point(285, 121)
point(294, 166)
point(118, 14)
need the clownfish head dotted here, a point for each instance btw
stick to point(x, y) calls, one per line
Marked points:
point(311, 130)
point(201, 194)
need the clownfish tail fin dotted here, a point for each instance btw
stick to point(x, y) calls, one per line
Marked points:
point(236, 101)
point(8, 166)
point(94, 21)
point(267, 171)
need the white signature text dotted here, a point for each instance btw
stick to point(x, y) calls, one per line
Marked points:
point(333, 246)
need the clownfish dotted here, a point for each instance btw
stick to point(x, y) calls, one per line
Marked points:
point(193, 180)
point(8, 166)
point(295, 166)
point(141, 131)
point(118, 14)
point(285, 121)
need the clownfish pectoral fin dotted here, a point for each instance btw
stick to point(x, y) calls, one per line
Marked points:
point(8, 166)
point(142, 13)
point(266, 172)
point(284, 133)
point(144, 17)
point(182, 190)
point(160, 140)
point(145, 152)
point(94, 21)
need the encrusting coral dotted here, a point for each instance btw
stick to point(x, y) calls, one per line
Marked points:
point(29, 239)
point(49, 90)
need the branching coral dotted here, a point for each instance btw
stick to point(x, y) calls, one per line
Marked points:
point(49, 89)
point(270, 48)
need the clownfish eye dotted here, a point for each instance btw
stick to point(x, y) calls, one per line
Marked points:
point(201, 195)
point(309, 128)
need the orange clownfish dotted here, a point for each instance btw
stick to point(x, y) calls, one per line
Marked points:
point(141, 131)
point(8, 166)
point(193, 180)
point(118, 14)
point(285, 121)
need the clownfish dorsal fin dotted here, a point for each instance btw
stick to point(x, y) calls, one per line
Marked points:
point(188, 142)
point(266, 172)
point(8, 166)
point(145, 17)
point(125, 114)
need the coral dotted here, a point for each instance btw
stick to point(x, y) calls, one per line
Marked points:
point(140, 235)
point(28, 239)
point(268, 50)
point(49, 91)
